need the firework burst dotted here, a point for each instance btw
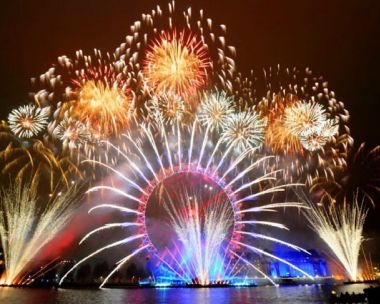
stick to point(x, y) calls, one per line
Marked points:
point(168, 108)
point(278, 137)
point(313, 139)
point(309, 124)
point(215, 110)
point(183, 58)
point(92, 91)
point(303, 116)
point(244, 130)
point(28, 121)
point(293, 102)
point(72, 133)
point(104, 110)
point(176, 63)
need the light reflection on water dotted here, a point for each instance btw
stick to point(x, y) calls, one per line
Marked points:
point(260, 295)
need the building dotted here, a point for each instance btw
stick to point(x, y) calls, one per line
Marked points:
point(313, 264)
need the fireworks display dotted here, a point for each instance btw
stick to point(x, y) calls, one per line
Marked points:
point(308, 122)
point(20, 160)
point(196, 219)
point(166, 130)
point(90, 102)
point(103, 109)
point(188, 216)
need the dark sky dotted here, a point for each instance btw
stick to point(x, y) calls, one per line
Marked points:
point(337, 39)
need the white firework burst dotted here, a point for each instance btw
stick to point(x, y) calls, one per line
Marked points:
point(72, 133)
point(316, 138)
point(313, 139)
point(303, 116)
point(167, 107)
point(244, 130)
point(28, 121)
point(215, 110)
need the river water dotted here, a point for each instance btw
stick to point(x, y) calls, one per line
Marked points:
point(259, 295)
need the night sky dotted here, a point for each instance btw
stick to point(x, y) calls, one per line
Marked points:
point(339, 40)
point(336, 39)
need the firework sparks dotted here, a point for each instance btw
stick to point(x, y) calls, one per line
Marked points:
point(308, 122)
point(277, 136)
point(28, 121)
point(176, 63)
point(197, 53)
point(293, 101)
point(201, 231)
point(312, 139)
point(358, 175)
point(20, 160)
point(26, 226)
point(342, 231)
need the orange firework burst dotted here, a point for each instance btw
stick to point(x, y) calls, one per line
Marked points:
point(176, 63)
point(278, 136)
point(105, 110)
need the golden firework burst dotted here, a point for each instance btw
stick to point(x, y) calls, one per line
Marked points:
point(105, 110)
point(176, 63)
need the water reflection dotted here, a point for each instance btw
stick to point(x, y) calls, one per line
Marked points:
point(260, 295)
